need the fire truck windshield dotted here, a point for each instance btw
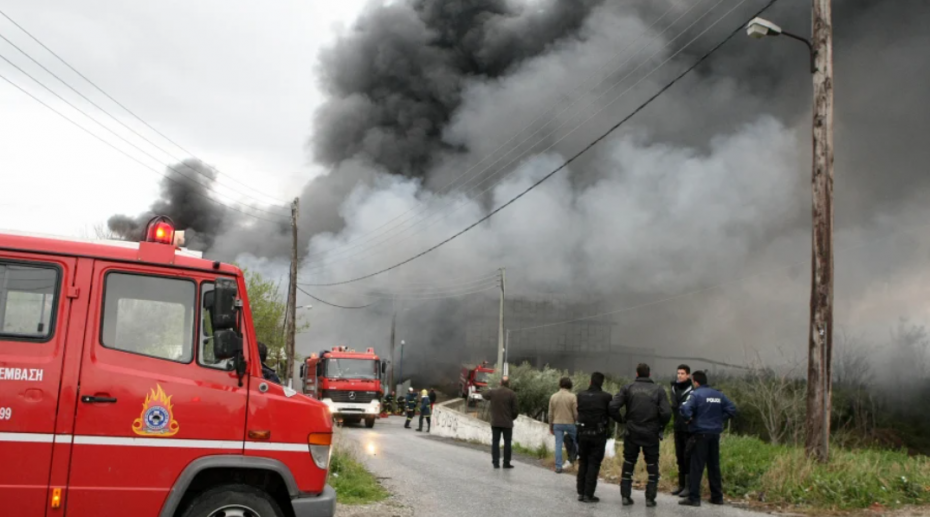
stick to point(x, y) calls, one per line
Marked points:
point(482, 377)
point(351, 369)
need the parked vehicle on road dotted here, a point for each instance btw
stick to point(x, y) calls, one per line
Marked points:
point(348, 382)
point(130, 384)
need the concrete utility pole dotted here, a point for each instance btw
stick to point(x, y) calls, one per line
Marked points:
point(820, 346)
point(292, 298)
point(500, 328)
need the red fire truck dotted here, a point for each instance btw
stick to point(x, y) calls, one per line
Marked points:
point(473, 380)
point(348, 382)
point(130, 384)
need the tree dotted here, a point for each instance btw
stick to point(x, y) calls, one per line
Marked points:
point(268, 310)
point(778, 396)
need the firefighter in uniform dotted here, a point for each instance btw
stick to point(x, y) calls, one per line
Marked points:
point(647, 413)
point(389, 403)
point(426, 410)
point(410, 404)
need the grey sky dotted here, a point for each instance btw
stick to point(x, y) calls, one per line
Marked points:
point(231, 81)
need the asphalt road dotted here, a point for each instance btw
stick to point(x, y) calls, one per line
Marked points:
point(439, 479)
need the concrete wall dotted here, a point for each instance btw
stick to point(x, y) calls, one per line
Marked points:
point(450, 422)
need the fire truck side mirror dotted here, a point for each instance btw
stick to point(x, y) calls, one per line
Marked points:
point(222, 305)
point(383, 367)
point(226, 344)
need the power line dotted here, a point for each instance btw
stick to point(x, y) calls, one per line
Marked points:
point(121, 137)
point(344, 252)
point(428, 288)
point(436, 295)
point(120, 122)
point(140, 162)
point(564, 164)
point(333, 304)
point(127, 110)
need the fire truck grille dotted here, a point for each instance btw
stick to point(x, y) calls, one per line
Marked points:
point(356, 397)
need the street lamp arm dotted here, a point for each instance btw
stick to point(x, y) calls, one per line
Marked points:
point(810, 48)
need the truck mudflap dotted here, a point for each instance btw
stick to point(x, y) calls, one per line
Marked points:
point(322, 505)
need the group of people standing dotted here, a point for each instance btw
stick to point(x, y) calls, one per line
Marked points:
point(424, 402)
point(699, 412)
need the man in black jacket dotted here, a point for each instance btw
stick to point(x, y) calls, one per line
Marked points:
point(647, 413)
point(592, 436)
point(681, 390)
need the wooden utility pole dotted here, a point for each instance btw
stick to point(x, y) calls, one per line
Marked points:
point(500, 330)
point(292, 298)
point(819, 369)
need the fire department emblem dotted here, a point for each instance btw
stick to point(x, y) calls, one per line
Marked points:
point(157, 418)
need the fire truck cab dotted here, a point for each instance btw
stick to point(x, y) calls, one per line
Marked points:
point(130, 385)
point(348, 382)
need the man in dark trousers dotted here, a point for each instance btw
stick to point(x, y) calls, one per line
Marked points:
point(426, 410)
point(592, 427)
point(432, 398)
point(706, 411)
point(647, 413)
point(410, 406)
point(267, 372)
point(503, 413)
point(681, 390)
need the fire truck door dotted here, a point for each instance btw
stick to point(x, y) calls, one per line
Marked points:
point(152, 398)
point(36, 294)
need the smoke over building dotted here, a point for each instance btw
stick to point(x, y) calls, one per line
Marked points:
point(694, 218)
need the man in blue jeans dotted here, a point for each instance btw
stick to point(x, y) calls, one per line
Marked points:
point(563, 413)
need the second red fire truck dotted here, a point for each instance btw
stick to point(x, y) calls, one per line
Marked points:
point(474, 380)
point(347, 381)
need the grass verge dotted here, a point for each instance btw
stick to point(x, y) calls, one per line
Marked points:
point(782, 476)
point(353, 483)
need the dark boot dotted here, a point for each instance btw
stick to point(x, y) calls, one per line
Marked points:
point(652, 485)
point(682, 483)
point(686, 492)
point(626, 491)
point(626, 483)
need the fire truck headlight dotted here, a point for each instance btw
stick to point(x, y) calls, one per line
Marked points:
point(329, 405)
point(321, 449)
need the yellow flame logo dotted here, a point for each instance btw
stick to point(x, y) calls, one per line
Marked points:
point(157, 418)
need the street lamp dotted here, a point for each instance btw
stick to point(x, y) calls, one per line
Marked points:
point(400, 366)
point(759, 28)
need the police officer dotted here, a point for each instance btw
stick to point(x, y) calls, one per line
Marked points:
point(706, 411)
point(410, 404)
point(681, 390)
point(592, 436)
point(426, 409)
point(647, 413)
point(267, 372)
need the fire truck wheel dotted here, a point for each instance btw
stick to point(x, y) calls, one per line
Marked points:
point(234, 501)
point(369, 422)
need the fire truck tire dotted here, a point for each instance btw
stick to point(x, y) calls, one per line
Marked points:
point(370, 422)
point(234, 501)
